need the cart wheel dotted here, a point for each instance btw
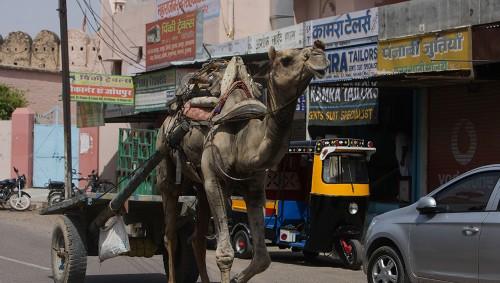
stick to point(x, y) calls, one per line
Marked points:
point(242, 245)
point(350, 252)
point(69, 254)
point(187, 270)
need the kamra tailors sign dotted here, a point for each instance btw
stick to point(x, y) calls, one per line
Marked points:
point(351, 39)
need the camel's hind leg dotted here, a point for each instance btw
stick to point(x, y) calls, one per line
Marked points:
point(199, 239)
point(255, 201)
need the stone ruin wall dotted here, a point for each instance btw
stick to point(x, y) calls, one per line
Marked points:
point(18, 49)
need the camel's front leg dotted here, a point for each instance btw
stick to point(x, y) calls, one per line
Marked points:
point(255, 201)
point(224, 255)
point(199, 239)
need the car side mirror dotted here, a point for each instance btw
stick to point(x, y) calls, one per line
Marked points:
point(427, 205)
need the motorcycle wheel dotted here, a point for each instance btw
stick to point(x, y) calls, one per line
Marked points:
point(19, 203)
point(55, 198)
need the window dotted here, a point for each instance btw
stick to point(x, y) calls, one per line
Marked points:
point(354, 169)
point(331, 169)
point(345, 169)
point(469, 194)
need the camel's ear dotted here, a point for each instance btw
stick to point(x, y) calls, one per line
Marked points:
point(271, 53)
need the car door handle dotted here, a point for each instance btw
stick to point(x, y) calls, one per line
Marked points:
point(470, 230)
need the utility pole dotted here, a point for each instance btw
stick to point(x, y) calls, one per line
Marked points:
point(63, 20)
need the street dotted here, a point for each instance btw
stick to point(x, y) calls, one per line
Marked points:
point(24, 257)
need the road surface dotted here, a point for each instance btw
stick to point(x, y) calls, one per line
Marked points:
point(25, 257)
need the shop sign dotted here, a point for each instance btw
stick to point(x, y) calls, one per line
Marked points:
point(172, 8)
point(89, 114)
point(289, 37)
point(444, 51)
point(346, 27)
point(342, 106)
point(351, 63)
point(171, 39)
point(154, 90)
point(87, 87)
point(301, 104)
point(230, 48)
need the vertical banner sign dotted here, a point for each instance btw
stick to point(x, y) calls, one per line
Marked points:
point(284, 38)
point(154, 90)
point(345, 27)
point(172, 8)
point(170, 39)
point(89, 114)
point(86, 87)
point(351, 63)
point(342, 106)
point(448, 50)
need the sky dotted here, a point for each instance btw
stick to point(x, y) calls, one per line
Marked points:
point(32, 16)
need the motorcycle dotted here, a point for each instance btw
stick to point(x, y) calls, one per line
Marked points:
point(11, 192)
point(94, 185)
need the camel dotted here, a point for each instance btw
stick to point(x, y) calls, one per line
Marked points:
point(234, 157)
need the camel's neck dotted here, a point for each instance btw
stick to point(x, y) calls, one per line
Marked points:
point(277, 128)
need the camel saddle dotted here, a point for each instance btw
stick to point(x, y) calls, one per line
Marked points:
point(207, 104)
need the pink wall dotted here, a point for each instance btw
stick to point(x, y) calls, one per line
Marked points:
point(315, 9)
point(23, 120)
point(89, 151)
point(5, 144)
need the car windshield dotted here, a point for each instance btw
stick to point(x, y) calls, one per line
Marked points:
point(346, 168)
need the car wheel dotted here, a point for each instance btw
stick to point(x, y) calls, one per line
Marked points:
point(385, 265)
point(241, 245)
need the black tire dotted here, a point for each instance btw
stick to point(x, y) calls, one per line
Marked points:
point(69, 253)
point(386, 255)
point(242, 244)
point(55, 197)
point(310, 256)
point(354, 259)
point(187, 270)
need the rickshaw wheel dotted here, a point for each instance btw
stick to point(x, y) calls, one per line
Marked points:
point(187, 270)
point(350, 252)
point(69, 254)
point(242, 245)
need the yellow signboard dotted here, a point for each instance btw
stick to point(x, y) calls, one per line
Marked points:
point(441, 51)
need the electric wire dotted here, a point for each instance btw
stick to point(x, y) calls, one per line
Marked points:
point(131, 62)
point(100, 21)
point(119, 27)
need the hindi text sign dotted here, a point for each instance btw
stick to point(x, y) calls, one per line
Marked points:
point(88, 87)
point(172, 8)
point(448, 50)
point(345, 27)
point(154, 90)
point(284, 38)
point(170, 39)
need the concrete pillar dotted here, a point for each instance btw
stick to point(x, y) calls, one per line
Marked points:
point(23, 121)
point(89, 151)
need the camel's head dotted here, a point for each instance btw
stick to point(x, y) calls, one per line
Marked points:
point(292, 69)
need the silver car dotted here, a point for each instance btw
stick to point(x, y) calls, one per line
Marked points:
point(450, 235)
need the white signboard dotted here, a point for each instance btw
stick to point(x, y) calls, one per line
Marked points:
point(345, 27)
point(230, 48)
point(351, 63)
point(289, 37)
point(172, 8)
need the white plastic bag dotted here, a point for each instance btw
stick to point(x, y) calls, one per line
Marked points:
point(113, 239)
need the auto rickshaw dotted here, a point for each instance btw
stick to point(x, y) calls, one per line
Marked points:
point(316, 201)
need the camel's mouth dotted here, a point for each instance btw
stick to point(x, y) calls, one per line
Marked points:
point(318, 73)
point(318, 63)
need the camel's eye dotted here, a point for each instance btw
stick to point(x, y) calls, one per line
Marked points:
point(286, 60)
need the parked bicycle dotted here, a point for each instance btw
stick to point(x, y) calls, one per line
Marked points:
point(94, 185)
point(11, 192)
